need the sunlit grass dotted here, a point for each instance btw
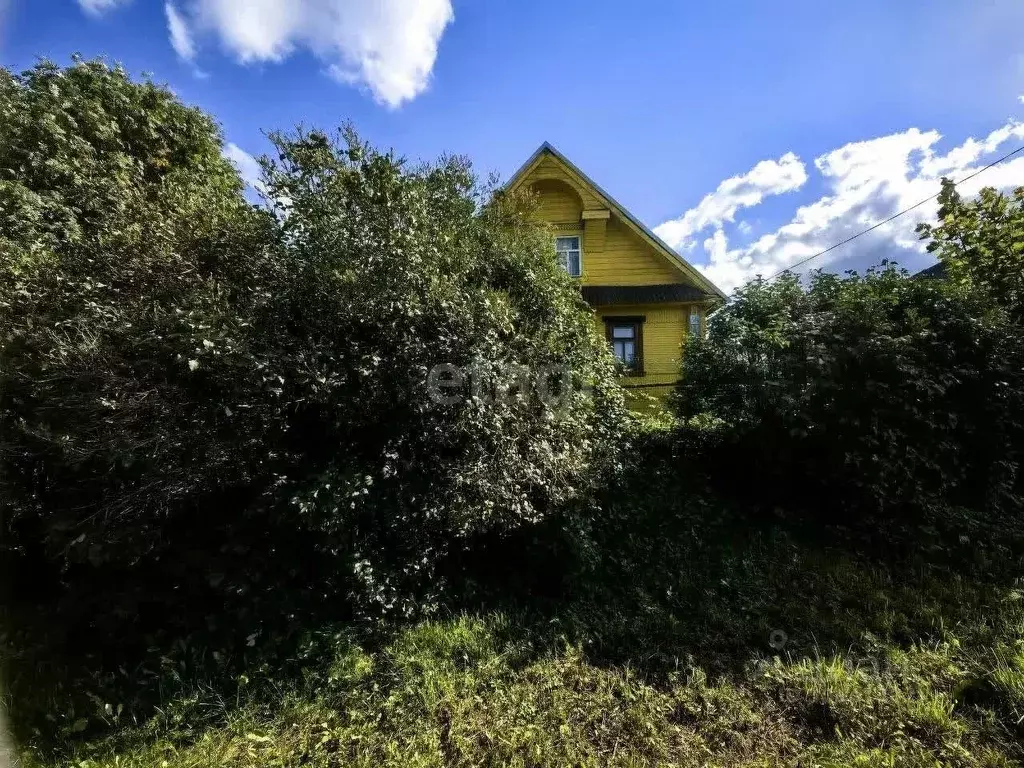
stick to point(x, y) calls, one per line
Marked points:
point(881, 666)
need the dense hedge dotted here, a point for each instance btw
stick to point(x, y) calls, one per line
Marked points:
point(225, 423)
point(878, 401)
point(218, 416)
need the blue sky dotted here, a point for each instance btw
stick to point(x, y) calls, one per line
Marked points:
point(749, 134)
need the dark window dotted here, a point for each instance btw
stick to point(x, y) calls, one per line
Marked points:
point(626, 337)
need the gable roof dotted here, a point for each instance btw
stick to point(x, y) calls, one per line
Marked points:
point(937, 271)
point(634, 223)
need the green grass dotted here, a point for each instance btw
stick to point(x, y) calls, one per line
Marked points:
point(882, 666)
point(452, 693)
point(682, 634)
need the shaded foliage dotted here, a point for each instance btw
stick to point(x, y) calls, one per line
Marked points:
point(224, 451)
point(217, 419)
point(127, 246)
point(661, 644)
point(394, 271)
point(861, 401)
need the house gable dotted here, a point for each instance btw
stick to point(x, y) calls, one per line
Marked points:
point(617, 248)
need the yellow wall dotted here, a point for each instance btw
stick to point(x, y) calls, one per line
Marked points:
point(558, 203)
point(613, 253)
point(550, 169)
point(664, 330)
point(625, 260)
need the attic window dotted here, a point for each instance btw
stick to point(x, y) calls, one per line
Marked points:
point(568, 249)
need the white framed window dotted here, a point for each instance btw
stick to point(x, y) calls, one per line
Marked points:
point(569, 255)
point(624, 344)
point(695, 322)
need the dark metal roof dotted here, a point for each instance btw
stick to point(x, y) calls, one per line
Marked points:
point(605, 295)
point(935, 271)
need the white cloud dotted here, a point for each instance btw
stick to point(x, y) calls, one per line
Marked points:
point(865, 183)
point(768, 177)
point(389, 46)
point(181, 37)
point(246, 164)
point(97, 7)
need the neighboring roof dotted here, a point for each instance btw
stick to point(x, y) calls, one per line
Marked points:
point(605, 295)
point(934, 272)
point(659, 244)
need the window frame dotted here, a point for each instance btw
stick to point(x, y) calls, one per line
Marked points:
point(637, 323)
point(578, 236)
point(695, 312)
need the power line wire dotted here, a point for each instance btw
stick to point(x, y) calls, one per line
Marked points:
point(873, 227)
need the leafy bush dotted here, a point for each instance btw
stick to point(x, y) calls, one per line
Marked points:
point(126, 247)
point(861, 400)
point(393, 272)
point(981, 244)
point(219, 416)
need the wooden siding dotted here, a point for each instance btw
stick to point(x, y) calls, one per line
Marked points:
point(614, 254)
point(664, 329)
point(550, 169)
point(558, 203)
point(625, 259)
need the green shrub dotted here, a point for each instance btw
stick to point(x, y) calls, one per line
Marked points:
point(861, 400)
point(127, 251)
point(393, 271)
point(981, 244)
point(221, 418)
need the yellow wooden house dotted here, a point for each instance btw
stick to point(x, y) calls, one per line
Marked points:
point(646, 296)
